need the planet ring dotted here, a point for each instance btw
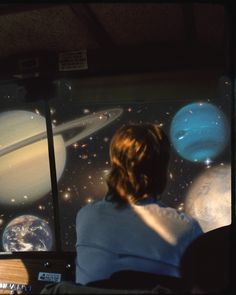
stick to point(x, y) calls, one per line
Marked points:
point(91, 124)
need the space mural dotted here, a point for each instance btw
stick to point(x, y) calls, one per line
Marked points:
point(199, 172)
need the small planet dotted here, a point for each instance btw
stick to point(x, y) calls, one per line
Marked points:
point(24, 162)
point(27, 233)
point(199, 132)
point(209, 198)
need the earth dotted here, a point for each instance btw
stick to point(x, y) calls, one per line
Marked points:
point(27, 233)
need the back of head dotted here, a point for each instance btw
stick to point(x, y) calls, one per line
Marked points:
point(139, 155)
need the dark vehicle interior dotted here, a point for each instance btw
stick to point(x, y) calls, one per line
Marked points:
point(61, 62)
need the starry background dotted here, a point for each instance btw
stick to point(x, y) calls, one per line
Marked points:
point(84, 178)
point(87, 163)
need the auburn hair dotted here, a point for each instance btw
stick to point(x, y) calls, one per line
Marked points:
point(139, 156)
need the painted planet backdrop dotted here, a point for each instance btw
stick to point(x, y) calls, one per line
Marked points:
point(87, 162)
point(21, 212)
point(24, 140)
point(24, 163)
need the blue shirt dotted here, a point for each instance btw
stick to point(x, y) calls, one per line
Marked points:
point(146, 237)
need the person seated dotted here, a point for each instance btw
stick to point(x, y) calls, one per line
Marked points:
point(137, 280)
point(131, 229)
point(205, 265)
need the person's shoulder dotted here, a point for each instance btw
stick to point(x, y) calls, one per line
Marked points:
point(191, 223)
point(95, 206)
point(178, 215)
point(184, 221)
point(89, 208)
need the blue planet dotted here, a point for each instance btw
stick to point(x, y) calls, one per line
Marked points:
point(199, 132)
point(27, 233)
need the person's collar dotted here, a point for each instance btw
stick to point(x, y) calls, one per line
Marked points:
point(148, 200)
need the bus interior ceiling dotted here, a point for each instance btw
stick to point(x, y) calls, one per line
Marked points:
point(118, 37)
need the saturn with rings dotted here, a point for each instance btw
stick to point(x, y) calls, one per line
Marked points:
point(91, 124)
point(24, 163)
